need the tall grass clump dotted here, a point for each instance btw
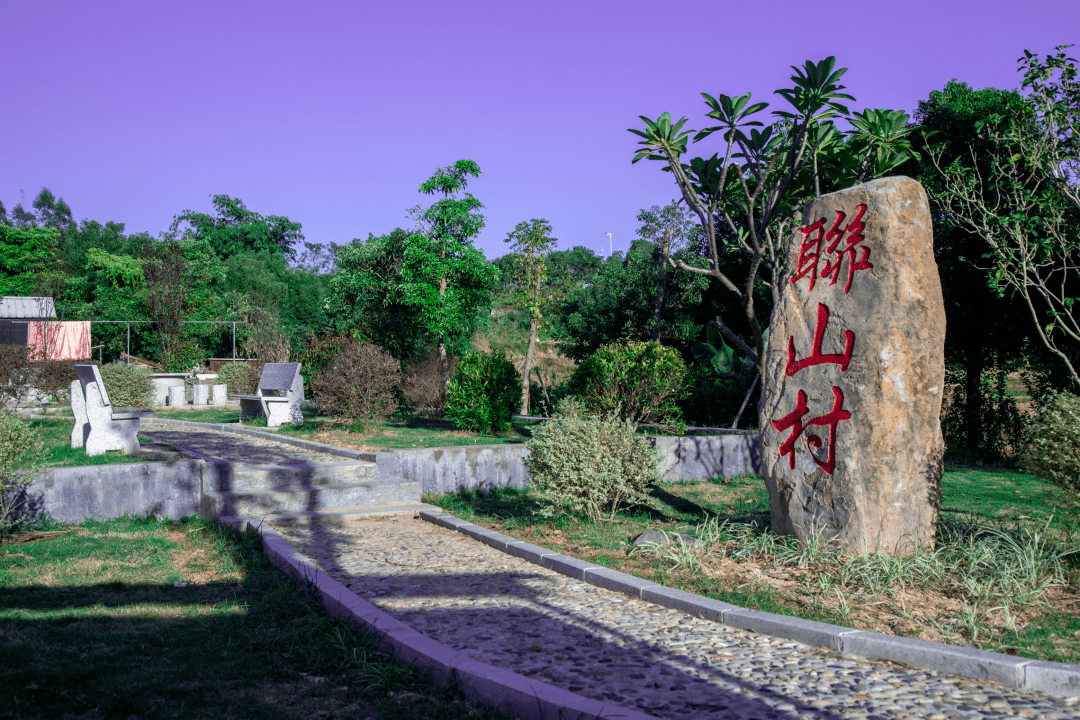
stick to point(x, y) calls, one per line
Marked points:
point(590, 465)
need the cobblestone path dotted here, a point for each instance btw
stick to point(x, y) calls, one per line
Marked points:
point(234, 447)
point(509, 613)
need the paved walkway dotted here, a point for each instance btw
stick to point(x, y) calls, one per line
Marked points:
point(234, 447)
point(512, 614)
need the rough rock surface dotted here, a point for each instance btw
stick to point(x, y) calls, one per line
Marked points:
point(855, 369)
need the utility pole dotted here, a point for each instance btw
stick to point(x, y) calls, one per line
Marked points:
point(610, 252)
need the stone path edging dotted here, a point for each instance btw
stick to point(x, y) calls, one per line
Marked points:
point(1020, 673)
point(492, 686)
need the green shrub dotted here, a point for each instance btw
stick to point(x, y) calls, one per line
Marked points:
point(640, 381)
point(241, 377)
point(128, 385)
point(20, 449)
point(359, 382)
point(1053, 452)
point(712, 401)
point(484, 394)
point(590, 465)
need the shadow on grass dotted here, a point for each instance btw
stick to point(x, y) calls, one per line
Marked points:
point(257, 645)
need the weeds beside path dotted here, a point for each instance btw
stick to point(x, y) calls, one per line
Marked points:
point(148, 619)
point(1001, 578)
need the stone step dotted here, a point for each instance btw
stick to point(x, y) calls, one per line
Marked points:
point(328, 517)
point(298, 498)
point(226, 477)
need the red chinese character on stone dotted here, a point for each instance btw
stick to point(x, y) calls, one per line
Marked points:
point(816, 357)
point(832, 419)
point(793, 420)
point(809, 252)
point(851, 244)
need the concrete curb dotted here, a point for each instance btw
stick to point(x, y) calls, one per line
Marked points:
point(1014, 672)
point(501, 689)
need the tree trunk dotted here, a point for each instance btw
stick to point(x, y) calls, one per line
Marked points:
point(528, 366)
point(973, 398)
point(661, 289)
point(442, 340)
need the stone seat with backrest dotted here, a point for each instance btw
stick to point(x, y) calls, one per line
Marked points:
point(99, 426)
point(278, 396)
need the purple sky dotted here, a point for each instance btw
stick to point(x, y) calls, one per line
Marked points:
point(333, 113)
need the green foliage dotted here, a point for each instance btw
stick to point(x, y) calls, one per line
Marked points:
point(24, 254)
point(20, 449)
point(128, 385)
point(484, 393)
point(1052, 451)
point(1017, 189)
point(716, 355)
point(637, 381)
point(240, 377)
point(987, 336)
point(445, 280)
point(360, 382)
point(235, 229)
point(406, 292)
point(748, 197)
point(617, 303)
point(589, 465)
point(710, 400)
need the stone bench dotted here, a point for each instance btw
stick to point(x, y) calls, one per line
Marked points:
point(278, 396)
point(100, 427)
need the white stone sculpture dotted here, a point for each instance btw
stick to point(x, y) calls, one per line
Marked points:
point(99, 426)
point(200, 395)
point(220, 395)
point(281, 388)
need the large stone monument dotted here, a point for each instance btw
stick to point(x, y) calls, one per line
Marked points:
point(855, 369)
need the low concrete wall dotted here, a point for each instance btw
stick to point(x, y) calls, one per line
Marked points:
point(485, 467)
point(461, 467)
point(694, 459)
point(174, 488)
point(170, 489)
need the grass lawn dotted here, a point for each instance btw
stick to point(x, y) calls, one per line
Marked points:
point(150, 619)
point(992, 582)
point(55, 434)
point(372, 436)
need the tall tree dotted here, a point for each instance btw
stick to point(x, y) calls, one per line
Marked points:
point(1019, 192)
point(445, 278)
point(531, 242)
point(984, 332)
point(671, 228)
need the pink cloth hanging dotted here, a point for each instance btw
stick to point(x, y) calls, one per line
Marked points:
point(63, 340)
